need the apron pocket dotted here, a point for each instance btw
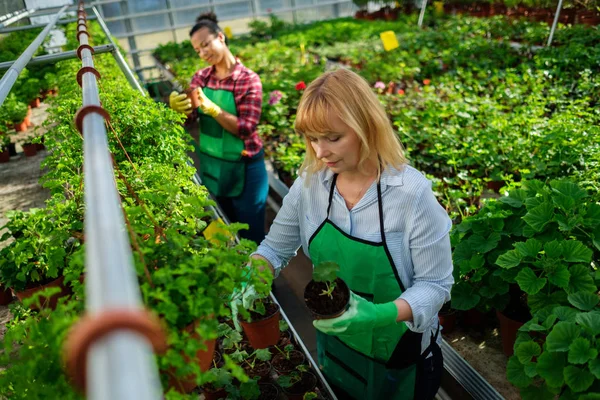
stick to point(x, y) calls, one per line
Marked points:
point(222, 178)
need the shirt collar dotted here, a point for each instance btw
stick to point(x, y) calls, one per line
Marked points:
point(237, 70)
point(389, 177)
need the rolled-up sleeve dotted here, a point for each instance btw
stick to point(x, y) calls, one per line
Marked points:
point(431, 256)
point(249, 107)
point(283, 240)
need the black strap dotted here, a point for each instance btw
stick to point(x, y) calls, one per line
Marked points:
point(380, 204)
point(331, 194)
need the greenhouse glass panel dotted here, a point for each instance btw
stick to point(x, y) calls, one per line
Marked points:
point(234, 10)
point(188, 17)
point(139, 6)
point(300, 3)
point(273, 5)
point(151, 23)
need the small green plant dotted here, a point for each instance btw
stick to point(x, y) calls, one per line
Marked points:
point(258, 355)
point(283, 326)
point(287, 351)
point(310, 396)
point(326, 272)
point(286, 381)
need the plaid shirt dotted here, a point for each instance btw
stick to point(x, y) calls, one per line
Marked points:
point(247, 92)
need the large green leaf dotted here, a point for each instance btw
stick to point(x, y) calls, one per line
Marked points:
point(462, 252)
point(540, 216)
point(529, 282)
point(580, 351)
point(530, 248)
point(515, 198)
point(474, 263)
point(575, 251)
point(590, 396)
point(595, 367)
point(583, 300)
point(578, 379)
point(592, 215)
point(550, 367)
point(560, 276)
point(581, 279)
point(464, 297)
point(510, 259)
point(567, 194)
point(562, 335)
point(565, 313)
point(591, 321)
point(530, 369)
point(482, 244)
point(534, 392)
point(515, 372)
point(553, 249)
point(541, 300)
point(527, 350)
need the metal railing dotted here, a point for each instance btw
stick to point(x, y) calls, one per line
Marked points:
point(15, 17)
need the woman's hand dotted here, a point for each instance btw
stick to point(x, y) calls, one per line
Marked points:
point(180, 103)
point(361, 316)
point(207, 106)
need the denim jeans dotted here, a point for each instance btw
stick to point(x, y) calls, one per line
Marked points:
point(249, 207)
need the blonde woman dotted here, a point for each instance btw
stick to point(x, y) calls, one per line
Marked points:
point(357, 202)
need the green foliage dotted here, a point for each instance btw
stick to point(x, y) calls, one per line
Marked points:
point(12, 110)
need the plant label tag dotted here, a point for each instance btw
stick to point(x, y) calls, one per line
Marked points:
point(214, 230)
point(389, 40)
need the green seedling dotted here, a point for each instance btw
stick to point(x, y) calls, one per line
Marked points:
point(326, 272)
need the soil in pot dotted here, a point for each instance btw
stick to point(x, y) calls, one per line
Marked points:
point(323, 306)
point(45, 302)
point(306, 384)
point(210, 393)
point(268, 391)
point(193, 96)
point(263, 330)
point(284, 366)
point(261, 370)
point(243, 345)
point(285, 338)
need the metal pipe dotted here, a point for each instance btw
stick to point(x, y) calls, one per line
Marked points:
point(556, 15)
point(17, 17)
point(118, 57)
point(28, 27)
point(11, 14)
point(10, 77)
point(120, 366)
point(422, 13)
point(66, 55)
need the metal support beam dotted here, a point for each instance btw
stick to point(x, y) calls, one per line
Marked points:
point(11, 14)
point(171, 21)
point(28, 27)
point(120, 366)
point(17, 17)
point(10, 77)
point(556, 15)
point(130, 38)
point(66, 55)
point(118, 57)
point(422, 13)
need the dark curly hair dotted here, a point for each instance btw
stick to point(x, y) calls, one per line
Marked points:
point(208, 20)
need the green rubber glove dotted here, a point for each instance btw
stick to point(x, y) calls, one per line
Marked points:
point(362, 316)
point(243, 298)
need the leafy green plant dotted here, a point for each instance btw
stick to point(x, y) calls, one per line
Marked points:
point(326, 272)
point(257, 356)
point(541, 237)
point(287, 381)
point(557, 351)
point(286, 352)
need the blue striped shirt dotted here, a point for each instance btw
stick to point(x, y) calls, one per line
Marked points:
point(416, 231)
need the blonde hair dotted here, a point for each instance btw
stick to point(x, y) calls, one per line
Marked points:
point(348, 96)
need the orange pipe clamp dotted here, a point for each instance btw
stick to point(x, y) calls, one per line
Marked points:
point(83, 70)
point(92, 328)
point(85, 110)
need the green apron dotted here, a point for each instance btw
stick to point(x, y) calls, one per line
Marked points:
point(382, 363)
point(222, 169)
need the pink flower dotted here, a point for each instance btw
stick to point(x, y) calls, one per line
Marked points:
point(379, 85)
point(401, 92)
point(301, 85)
point(275, 97)
point(426, 82)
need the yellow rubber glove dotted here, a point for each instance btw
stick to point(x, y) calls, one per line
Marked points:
point(180, 103)
point(207, 106)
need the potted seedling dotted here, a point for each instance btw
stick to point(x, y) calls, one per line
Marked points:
point(192, 94)
point(298, 383)
point(287, 359)
point(257, 365)
point(285, 336)
point(326, 295)
point(29, 147)
point(218, 380)
point(261, 322)
point(4, 152)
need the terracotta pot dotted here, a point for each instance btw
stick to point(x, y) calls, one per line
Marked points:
point(508, 332)
point(193, 95)
point(35, 103)
point(448, 321)
point(30, 149)
point(495, 185)
point(40, 146)
point(5, 296)
point(203, 359)
point(21, 127)
point(5, 156)
point(264, 332)
point(46, 303)
point(588, 17)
